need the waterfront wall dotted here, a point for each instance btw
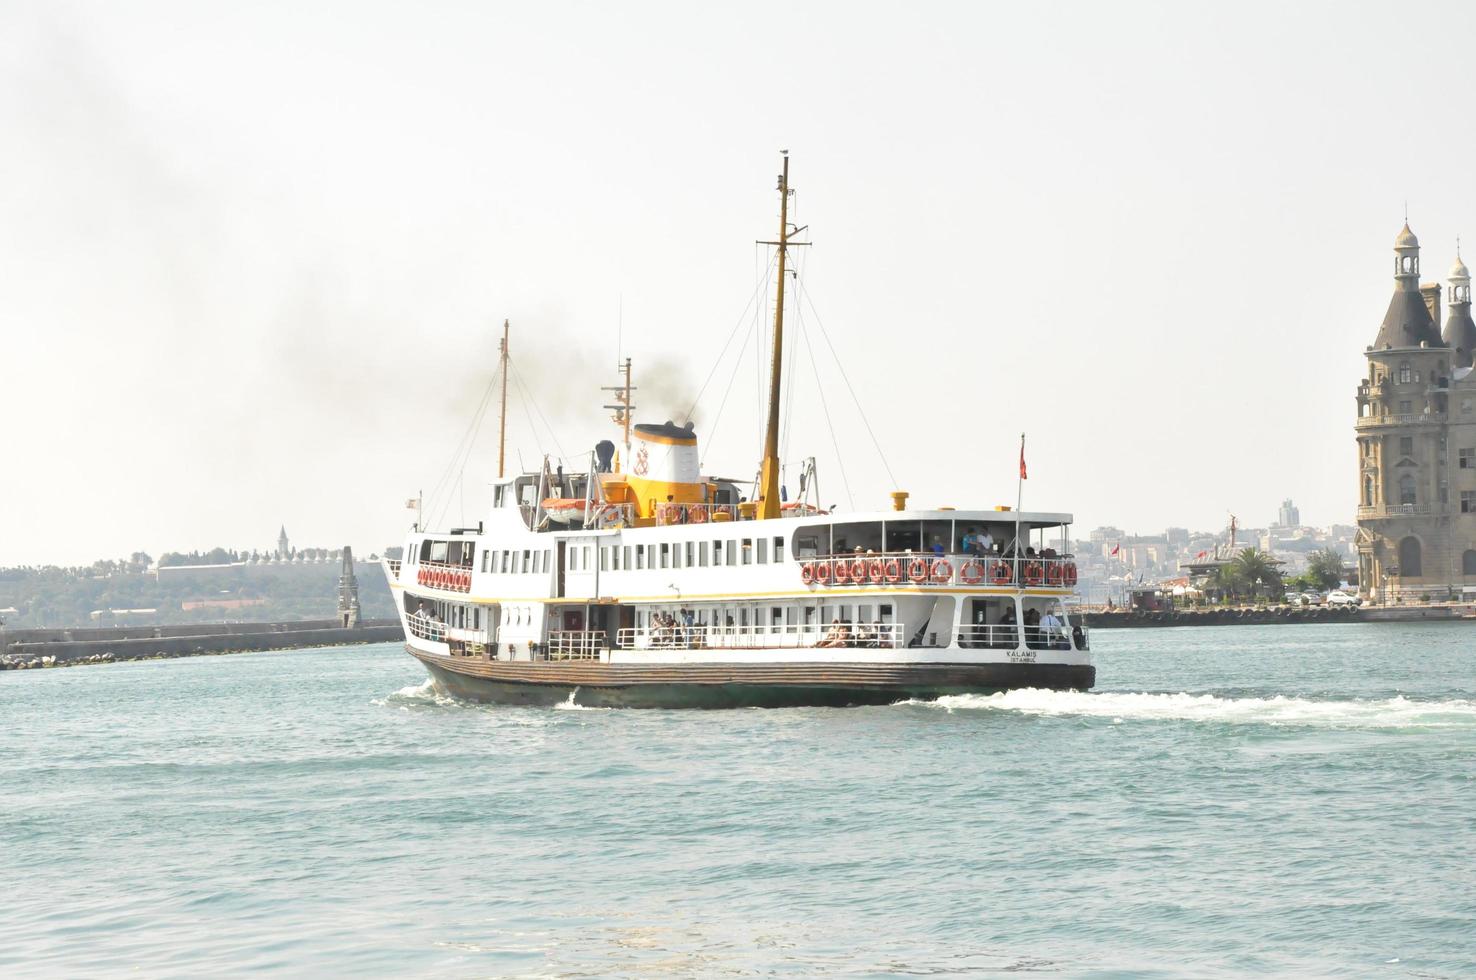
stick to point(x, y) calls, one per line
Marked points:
point(25, 648)
point(1278, 615)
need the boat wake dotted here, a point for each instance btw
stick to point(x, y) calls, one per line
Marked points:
point(422, 695)
point(1395, 712)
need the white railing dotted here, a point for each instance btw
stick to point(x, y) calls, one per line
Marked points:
point(1395, 510)
point(575, 644)
point(859, 635)
point(427, 629)
point(915, 569)
point(674, 513)
point(1004, 636)
point(1369, 421)
point(444, 576)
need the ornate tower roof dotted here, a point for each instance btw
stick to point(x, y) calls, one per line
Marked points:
point(1460, 331)
point(1408, 322)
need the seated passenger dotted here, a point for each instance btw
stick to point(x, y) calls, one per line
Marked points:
point(835, 636)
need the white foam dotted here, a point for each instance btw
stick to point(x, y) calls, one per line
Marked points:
point(1395, 712)
point(424, 693)
point(568, 704)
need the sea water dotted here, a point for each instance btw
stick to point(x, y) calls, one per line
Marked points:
point(1289, 800)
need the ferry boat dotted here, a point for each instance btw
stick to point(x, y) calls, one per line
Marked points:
point(652, 585)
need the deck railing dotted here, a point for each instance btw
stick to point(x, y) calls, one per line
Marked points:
point(576, 644)
point(1002, 636)
point(916, 569)
point(673, 513)
point(793, 637)
point(427, 629)
point(444, 576)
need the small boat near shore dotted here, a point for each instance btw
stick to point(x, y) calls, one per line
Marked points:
point(642, 582)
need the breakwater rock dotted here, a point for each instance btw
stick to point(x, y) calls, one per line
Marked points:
point(1267, 615)
point(64, 648)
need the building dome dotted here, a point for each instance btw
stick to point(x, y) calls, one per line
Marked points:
point(1406, 238)
point(1459, 270)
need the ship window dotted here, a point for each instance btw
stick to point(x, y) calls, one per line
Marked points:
point(486, 558)
point(743, 616)
point(778, 550)
point(604, 559)
point(537, 562)
point(676, 555)
point(702, 554)
point(690, 550)
point(811, 542)
point(573, 560)
point(666, 556)
point(640, 556)
point(527, 561)
point(809, 615)
point(863, 614)
point(733, 553)
point(763, 551)
point(884, 612)
point(717, 552)
point(748, 551)
point(438, 551)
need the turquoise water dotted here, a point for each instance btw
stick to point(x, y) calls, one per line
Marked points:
point(1291, 800)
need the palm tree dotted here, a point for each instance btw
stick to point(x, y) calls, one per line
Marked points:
point(1325, 567)
point(1255, 569)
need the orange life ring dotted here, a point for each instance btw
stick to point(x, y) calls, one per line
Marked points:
point(697, 515)
point(465, 581)
point(942, 570)
point(842, 571)
point(1053, 573)
point(807, 573)
point(1032, 573)
point(1069, 577)
point(859, 570)
point(876, 570)
point(822, 572)
point(667, 513)
point(1000, 573)
point(972, 573)
point(893, 570)
point(917, 570)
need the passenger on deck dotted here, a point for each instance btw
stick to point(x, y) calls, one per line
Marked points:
point(937, 547)
point(1050, 630)
point(985, 542)
point(836, 636)
point(969, 542)
point(1004, 634)
point(1032, 629)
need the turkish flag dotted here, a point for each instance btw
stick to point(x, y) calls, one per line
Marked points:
point(1023, 474)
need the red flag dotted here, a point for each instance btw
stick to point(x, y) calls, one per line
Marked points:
point(1201, 554)
point(1023, 474)
point(1115, 549)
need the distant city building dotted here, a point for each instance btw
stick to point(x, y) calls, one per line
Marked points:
point(1177, 536)
point(1106, 535)
point(283, 549)
point(1288, 515)
point(1416, 434)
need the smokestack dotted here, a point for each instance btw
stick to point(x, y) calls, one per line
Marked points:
point(604, 455)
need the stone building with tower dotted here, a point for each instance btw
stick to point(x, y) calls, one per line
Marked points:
point(1416, 435)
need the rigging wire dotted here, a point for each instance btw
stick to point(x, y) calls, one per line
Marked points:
point(717, 363)
point(527, 397)
point(737, 366)
point(859, 410)
point(463, 448)
point(834, 442)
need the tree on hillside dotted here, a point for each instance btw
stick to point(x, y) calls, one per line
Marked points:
point(1325, 567)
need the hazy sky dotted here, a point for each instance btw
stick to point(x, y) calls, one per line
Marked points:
point(254, 257)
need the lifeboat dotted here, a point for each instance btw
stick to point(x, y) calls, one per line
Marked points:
point(564, 510)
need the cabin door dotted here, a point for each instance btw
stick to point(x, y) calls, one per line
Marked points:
point(559, 587)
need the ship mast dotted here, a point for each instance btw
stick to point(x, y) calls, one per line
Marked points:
point(502, 421)
point(768, 497)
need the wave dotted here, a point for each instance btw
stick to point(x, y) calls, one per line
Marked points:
point(424, 694)
point(1395, 712)
point(569, 704)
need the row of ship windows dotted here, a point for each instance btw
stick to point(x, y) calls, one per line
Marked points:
point(639, 557)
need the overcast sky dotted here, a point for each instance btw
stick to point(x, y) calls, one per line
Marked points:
point(254, 257)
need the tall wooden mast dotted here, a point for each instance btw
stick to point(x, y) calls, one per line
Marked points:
point(768, 501)
point(502, 422)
